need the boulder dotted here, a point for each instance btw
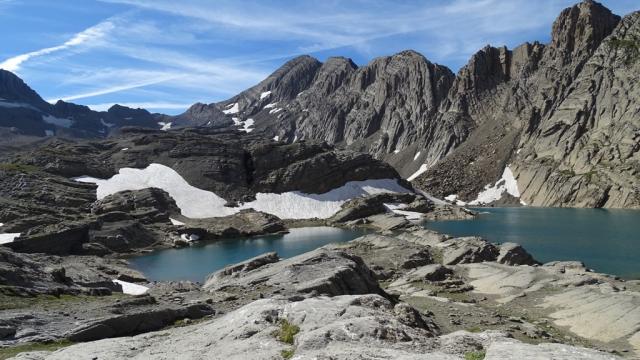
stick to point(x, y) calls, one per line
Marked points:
point(514, 254)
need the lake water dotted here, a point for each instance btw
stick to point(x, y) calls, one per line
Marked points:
point(605, 240)
point(196, 262)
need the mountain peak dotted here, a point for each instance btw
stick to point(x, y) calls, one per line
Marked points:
point(582, 26)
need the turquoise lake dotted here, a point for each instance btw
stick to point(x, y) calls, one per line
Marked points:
point(196, 262)
point(607, 241)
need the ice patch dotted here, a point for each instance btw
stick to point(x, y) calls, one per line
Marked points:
point(423, 168)
point(415, 157)
point(276, 138)
point(232, 109)
point(131, 288)
point(7, 238)
point(269, 106)
point(176, 222)
point(198, 203)
point(265, 94)
point(275, 111)
point(104, 123)
point(507, 183)
point(57, 121)
point(247, 125)
point(165, 125)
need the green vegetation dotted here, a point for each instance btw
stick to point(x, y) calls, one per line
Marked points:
point(630, 48)
point(566, 172)
point(474, 355)
point(18, 167)
point(287, 332)
point(9, 352)
point(474, 329)
point(287, 354)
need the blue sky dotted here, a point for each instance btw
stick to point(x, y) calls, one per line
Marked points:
point(164, 55)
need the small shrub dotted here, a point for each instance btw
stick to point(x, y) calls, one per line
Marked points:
point(287, 332)
point(629, 47)
point(475, 355)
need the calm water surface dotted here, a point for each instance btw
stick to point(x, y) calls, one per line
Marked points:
point(605, 240)
point(196, 262)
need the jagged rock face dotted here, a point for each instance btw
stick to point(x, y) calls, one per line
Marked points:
point(389, 105)
point(564, 119)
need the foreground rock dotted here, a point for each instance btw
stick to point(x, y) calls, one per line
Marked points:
point(342, 327)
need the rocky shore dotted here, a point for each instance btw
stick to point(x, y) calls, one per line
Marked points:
point(407, 293)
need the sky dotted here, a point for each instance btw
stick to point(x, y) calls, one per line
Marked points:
point(164, 55)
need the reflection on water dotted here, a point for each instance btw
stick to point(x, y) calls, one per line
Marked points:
point(196, 262)
point(605, 240)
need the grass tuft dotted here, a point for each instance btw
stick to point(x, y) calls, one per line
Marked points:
point(287, 332)
point(9, 352)
point(475, 355)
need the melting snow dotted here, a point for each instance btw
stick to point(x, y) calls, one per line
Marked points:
point(106, 123)
point(490, 193)
point(276, 138)
point(453, 198)
point(236, 121)
point(276, 110)
point(131, 288)
point(396, 151)
point(420, 171)
point(416, 156)
point(124, 149)
point(232, 109)
point(7, 238)
point(295, 138)
point(165, 125)
point(269, 106)
point(198, 203)
point(57, 121)
point(265, 94)
point(176, 222)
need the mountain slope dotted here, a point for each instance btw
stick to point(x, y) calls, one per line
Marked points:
point(24, 112)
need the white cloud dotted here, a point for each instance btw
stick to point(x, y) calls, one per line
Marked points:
point(86, 37)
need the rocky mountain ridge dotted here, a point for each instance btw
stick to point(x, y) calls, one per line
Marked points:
point(564, 114)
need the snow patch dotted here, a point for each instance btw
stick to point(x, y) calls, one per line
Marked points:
point(396, 151)
point(176, 222)
point(104, 123)
point(236, 121)
point(453, 198)
point(397, 209)
point(124, 149)
point(507, 183)
point(415, 157)
point(265, 94)
point(165, 125)
point(247, 125)
point(49, 133)
point(276, 138)
point(232, 109)
point(275, 111)
point(269, 106)
point(423, 168)
point(57, 121)
point(189, 237)
point(7, 238)
point(9, 104)
point(197, 203)
point(295, 138)
point(518, 151)
point(131, 288)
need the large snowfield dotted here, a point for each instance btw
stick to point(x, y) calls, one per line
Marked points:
point(197, 203)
